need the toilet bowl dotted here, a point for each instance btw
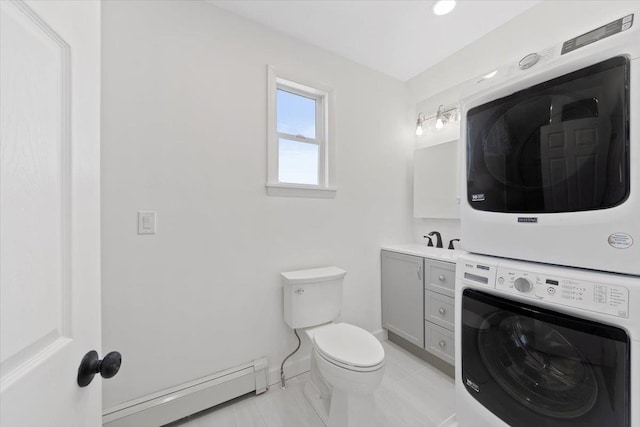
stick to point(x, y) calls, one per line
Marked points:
point(347, 362)
point(347, 366)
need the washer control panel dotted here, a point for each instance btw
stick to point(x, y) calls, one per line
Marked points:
point(598, 297)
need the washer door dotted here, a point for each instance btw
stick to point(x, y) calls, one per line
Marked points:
point(533, 367)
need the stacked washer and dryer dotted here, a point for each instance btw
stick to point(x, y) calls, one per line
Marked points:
point(548, 299)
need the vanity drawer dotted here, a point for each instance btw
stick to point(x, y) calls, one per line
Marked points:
point(439, 342)
point(439, 309)
point(441, 277)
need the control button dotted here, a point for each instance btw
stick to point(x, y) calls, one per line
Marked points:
point(522, 284)
point(626, 26)
point(501, 280)
point(528, 61)
point(551, 290)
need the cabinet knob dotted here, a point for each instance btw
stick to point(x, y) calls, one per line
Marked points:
point(441, 278)
point(442, 344)
point(442, 311)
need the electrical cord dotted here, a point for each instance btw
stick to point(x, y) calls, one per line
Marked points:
point(282, 384)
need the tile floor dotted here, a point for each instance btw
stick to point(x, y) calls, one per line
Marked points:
point(412, 394)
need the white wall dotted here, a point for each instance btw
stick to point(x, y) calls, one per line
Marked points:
point(544, 25)
point(184, 134)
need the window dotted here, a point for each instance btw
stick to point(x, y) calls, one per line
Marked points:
point(299, 140)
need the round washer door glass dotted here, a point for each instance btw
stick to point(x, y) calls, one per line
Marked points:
point(536, 365)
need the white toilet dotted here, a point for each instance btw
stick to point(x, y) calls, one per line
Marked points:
point(347, 362)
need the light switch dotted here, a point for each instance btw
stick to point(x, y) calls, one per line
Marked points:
point(146, 222)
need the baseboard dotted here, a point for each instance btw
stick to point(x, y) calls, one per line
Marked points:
point(189, 398)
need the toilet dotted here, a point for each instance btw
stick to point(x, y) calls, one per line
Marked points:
point(347, 362)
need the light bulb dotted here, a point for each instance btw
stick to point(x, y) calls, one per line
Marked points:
point(419, 130)
point(439, 123)
point(443, 7)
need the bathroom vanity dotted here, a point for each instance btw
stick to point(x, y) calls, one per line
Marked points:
point(418, 288)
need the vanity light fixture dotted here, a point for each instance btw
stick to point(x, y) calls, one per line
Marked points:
point(442, 116)
point(442, 7)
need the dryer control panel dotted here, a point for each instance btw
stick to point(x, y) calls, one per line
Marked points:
point(597, 297)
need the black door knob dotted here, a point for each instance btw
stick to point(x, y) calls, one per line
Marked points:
point(91, 365)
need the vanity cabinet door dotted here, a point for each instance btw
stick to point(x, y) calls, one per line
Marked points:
point(402, 296)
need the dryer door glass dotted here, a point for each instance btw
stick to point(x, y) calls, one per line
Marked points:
point(559, 146)
point(534, 367)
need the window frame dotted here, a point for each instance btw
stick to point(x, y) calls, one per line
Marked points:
point(323, 95)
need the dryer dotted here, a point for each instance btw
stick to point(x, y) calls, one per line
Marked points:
point(552, 154)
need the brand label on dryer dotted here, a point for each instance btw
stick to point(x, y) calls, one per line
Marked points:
point(528, 219)
point(472, 385)
point(620, 240)
point(477, 197)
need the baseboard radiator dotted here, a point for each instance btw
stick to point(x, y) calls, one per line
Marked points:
point(178, 402)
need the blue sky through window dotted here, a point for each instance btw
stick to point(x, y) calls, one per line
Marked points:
point(296, 114)
point(297, 161)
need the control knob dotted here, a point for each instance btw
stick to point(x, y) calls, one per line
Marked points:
point(522, 284)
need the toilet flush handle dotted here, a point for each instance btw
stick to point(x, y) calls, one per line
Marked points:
point(299, 291)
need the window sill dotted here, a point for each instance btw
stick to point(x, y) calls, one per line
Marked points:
point(300, 190)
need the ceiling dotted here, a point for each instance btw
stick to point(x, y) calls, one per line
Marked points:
point(399, 38)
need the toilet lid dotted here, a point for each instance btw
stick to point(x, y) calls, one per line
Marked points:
point(349, 345)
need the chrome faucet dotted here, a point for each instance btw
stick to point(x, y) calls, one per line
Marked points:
point(438, 238)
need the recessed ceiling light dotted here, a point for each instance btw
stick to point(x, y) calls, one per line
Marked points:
point(442, 7)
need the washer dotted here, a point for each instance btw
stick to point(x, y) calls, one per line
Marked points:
point(541, 345)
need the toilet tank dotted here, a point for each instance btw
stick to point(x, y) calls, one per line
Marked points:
point(312, 297)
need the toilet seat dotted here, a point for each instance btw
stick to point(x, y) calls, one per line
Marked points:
point(349, 347)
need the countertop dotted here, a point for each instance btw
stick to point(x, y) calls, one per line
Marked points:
point(416, 249)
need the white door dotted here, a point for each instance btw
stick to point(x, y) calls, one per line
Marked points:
point(50, 211)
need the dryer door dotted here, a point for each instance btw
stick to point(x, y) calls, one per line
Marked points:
point(535, 367)
point(559, 146)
